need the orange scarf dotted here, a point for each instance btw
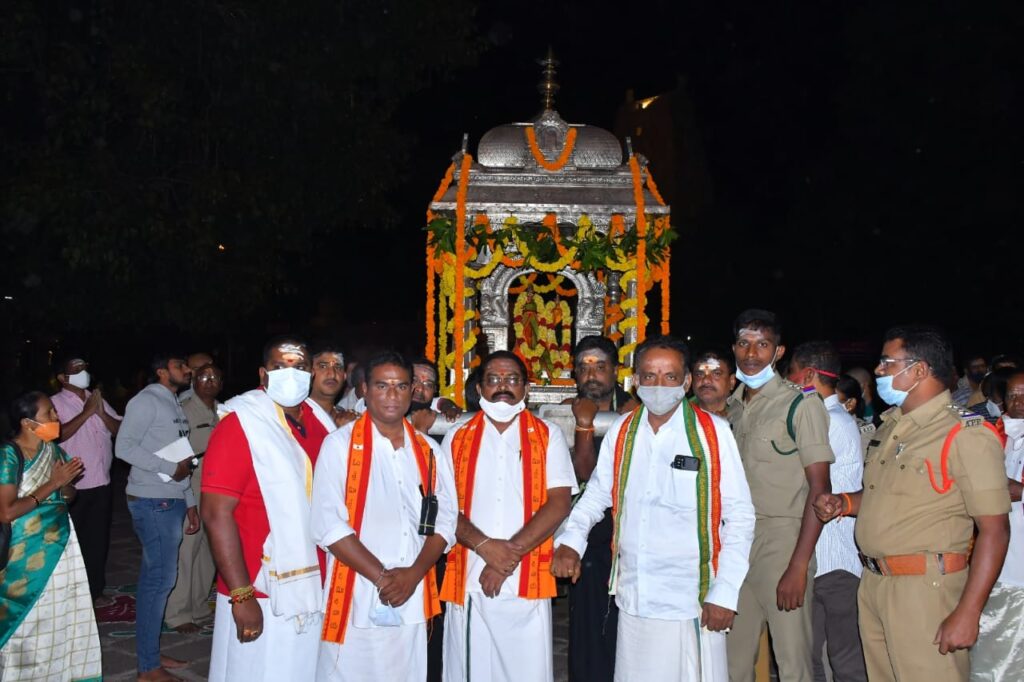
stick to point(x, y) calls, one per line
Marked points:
point(535, 578)
point(360, 458)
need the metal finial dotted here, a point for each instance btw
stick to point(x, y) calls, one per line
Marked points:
point(465, 142)
point(629, 146)
point(548, 87)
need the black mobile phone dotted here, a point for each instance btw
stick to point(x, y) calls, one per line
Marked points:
point(686, 463)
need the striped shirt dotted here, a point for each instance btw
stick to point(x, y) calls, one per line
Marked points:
point(836, 548)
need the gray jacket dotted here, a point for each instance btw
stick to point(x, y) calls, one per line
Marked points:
point(152, 420)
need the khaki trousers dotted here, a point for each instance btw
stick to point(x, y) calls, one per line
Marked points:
point(774, 540)
point(899, 616)
point(189, 600)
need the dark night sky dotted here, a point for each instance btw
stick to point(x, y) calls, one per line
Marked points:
point(858, 165)
point(864, 163)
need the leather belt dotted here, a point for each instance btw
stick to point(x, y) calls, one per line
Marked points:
point(915, 564)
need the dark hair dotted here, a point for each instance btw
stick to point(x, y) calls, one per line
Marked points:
point(850, 387)
point(161, 359)
point(23, 407)
point(386, 357)
point(993, 386)
point(421, 360)
point(1006, 360)
point(970, 357)
point(472, 391)
point(598, 343)
point(763, 320)
point(280, 339)
point(504, 355)
point(357, 375)
point(668, 342)
point(822, 356)
point(321, 346)
point(929, 344)
point(712, 354)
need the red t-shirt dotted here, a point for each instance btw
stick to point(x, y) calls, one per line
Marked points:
point(228, 470)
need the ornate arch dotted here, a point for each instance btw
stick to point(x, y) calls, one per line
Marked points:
point(495, 321)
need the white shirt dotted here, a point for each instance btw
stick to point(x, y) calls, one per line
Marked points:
point(836, 548)
point(659, 554)
point(497, 504)
point(1013, 567)
point(390, 517)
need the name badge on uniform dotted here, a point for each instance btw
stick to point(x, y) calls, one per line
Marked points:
point(685, 463)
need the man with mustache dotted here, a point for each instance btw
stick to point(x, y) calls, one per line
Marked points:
point(683, 523)
point(514, 479)
point(782, 435)
point(714, 378)
point(328, 378)
point(384, 506)
point(426, 405)
point(593, 615)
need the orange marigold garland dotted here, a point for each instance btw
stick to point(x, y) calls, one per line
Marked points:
point(458, 330)
point(563, 158)
point(431, 347)
point(641, 249)
point(665, 294)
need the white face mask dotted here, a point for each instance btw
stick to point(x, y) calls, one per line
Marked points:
point(501, 412)
point(1014, 427)
point(80, 380)
point(384, 615)
point(288, 386)
point(661, 399)
point(993, 409)
point(756, 381)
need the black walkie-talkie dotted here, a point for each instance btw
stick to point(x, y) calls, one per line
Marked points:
point(428, 508)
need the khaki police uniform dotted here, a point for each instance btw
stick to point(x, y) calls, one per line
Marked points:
point(902, 513)
point(774, 464)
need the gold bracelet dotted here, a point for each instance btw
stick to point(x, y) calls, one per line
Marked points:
point(241, 598)
point(36, 499)
point(481, 544)
point(241, 592)
point(585, 429)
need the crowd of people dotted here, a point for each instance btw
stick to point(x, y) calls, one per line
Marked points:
point(870, 521)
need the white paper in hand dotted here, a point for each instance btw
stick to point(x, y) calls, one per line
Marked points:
point(176, 451)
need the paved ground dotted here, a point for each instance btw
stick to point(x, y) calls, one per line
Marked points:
point(118, 639)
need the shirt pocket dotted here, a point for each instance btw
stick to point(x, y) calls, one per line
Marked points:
point(677, 489)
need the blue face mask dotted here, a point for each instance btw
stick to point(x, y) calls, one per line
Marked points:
point(756, 381)
point(885, 390)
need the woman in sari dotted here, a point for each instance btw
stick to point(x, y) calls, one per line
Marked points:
point(47, 626)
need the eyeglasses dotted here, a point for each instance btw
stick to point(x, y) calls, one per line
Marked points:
point(886, 363)
point(429, 385)
point(508, 380)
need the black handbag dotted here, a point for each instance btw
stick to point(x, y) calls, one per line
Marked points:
point(5, 528)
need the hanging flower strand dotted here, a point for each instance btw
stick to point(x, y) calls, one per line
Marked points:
point(460, 280)
point(563, 158)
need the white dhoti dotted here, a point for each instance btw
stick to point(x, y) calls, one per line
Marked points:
point(652, 650)
point(998, 655)
point(395, 654)
point(498, 640)
point(280, 653)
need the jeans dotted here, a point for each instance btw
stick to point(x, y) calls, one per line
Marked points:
point(158, 525)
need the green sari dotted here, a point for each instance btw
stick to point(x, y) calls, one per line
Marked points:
point(37, 538)
point(47, 625)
